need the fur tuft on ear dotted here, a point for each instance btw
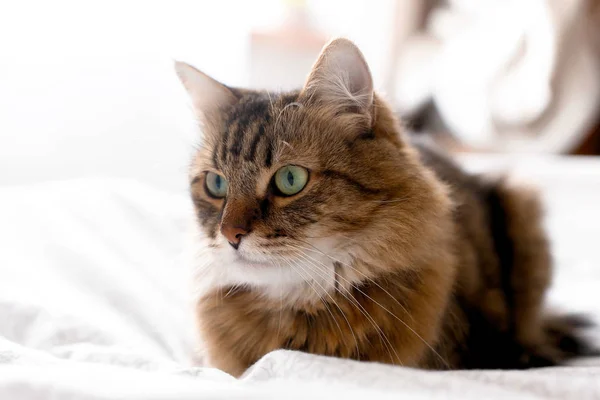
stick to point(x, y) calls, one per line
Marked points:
point(341, 78)
point(208, 96)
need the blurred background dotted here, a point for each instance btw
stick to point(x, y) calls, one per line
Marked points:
point(88, 88)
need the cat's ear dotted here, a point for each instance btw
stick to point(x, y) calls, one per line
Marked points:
point(209, 96)
point(341, 78)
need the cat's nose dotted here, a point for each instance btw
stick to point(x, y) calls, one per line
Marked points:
point(233, 234)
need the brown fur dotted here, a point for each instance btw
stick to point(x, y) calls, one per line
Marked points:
point(446, 270)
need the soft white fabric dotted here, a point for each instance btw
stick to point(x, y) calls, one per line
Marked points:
point(94, 301)
point(511, 74)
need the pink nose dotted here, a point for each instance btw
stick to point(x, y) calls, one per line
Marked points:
point(233, 233)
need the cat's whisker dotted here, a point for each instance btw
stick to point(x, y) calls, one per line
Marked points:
point(221, 293)
point(280, 302)
point(368, 278)
point(330, 313)
point(337, 234)
point(401, 200)
point(200, 272)
point(293, 104)
point(288, 145)
point(270, 100)
point(307, 280)
point(382, 337)
point(342, 313)
point(385, 341)
point(385, 309)
point(231, 290)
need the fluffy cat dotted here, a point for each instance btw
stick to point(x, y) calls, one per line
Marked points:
point(330, 231)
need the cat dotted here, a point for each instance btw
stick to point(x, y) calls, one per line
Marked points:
point(325, 228)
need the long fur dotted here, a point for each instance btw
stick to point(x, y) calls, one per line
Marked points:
point(391, 253)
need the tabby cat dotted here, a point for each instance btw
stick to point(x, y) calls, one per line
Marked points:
point(326, 229)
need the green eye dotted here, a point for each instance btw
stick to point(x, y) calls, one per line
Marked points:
point(216, 185)
point(291, 179)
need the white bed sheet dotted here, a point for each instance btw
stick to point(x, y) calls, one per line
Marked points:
point(94, 301)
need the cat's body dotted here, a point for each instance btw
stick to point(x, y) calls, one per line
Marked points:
point(385, 251)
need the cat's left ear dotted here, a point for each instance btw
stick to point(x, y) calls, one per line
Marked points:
point(209, 96)
point(341, 79)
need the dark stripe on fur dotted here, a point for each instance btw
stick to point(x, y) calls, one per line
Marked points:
point(503, 245)
point(368, 135)
point(252, 112)
point(269, 154)
point(207, 215)
point(263, 206)
point(215, 158)
point(359, 186)
point(254, 144)
point(225, 139)
point(236, 146)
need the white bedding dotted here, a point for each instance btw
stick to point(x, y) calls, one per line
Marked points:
point(94, 301)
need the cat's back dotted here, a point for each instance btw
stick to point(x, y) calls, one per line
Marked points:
point(504, 267)
point(445, 168)
point(471, 195)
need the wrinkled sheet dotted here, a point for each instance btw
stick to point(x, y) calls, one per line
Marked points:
point(95, 301)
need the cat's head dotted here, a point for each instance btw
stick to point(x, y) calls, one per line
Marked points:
point(308, 190)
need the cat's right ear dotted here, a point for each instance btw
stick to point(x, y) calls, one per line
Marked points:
point(209, 97)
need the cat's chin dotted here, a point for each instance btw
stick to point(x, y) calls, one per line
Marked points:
point(246, 262)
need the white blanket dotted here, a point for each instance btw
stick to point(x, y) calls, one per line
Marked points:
point(94, 302)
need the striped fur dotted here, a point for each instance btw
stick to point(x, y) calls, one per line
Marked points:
point(391, 252)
